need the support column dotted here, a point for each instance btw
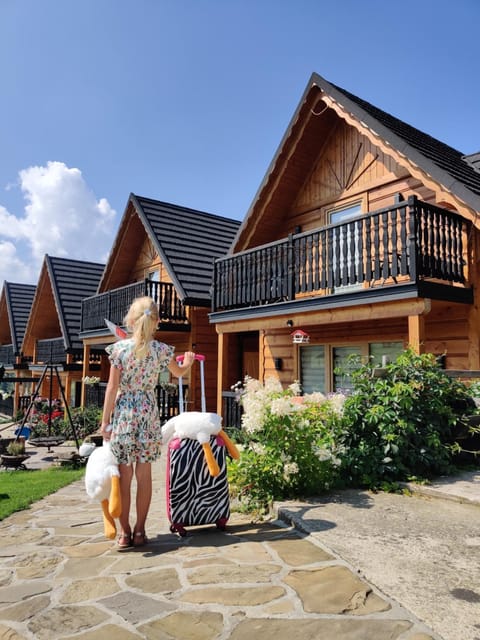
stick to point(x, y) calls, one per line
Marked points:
point(473, 318)
point(416, 333)
point(221, 369)
point(85, 371)
point(261, 355)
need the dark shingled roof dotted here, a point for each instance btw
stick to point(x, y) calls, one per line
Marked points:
point(19, 298)
point(71, 281)
point(187, 242)
point(443, 163)
point(442, 155)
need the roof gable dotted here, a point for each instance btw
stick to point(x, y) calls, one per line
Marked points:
point(62, 285)
point(315, 117)
point(19, 303)
point(186, 240)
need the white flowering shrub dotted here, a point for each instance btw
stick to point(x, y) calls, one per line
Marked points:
point(290, 445)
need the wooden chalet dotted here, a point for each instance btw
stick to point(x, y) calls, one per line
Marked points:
point(51, 338)
point(15, 304)
point(363, 238)
point(167, 252)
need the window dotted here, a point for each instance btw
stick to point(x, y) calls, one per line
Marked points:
point(325, 368)
point(153, 275)
point(312, 369)
point(341, 367)
point(384, 352)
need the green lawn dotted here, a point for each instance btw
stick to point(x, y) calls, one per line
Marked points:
point(20, 489)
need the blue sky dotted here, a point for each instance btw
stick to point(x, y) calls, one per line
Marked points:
point(186, 101)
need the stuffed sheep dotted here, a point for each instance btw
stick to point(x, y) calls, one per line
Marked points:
point(102, 482)
point(199, 426)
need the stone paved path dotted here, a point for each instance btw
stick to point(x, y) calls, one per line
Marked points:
point(60, 578)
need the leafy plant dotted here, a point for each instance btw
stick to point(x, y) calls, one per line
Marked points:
point(404, 423)
point(290, 446)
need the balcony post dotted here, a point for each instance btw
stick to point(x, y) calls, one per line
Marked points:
point(290, 268)
point(413, 237)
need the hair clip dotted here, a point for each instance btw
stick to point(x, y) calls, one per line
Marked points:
point(147, 312)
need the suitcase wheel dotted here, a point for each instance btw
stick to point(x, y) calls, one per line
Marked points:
point(221, 524)
point(177, 528)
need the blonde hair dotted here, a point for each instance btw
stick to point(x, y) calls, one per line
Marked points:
point(142, 321)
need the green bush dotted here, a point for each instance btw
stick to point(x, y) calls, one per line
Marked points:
point(403, 424)
point(289, 444)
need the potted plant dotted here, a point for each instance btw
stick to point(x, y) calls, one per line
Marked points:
point(15, 455)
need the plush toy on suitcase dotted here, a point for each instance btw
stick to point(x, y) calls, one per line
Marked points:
point(197, 484)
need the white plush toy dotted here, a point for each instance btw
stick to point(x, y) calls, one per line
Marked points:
point(102, 482)
point(198, 425)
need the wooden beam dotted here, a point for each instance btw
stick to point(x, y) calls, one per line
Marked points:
point(398, 309)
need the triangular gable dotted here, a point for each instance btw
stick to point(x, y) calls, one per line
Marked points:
point(15, 305)
point(437, 165)
point(186, 240)
point(57, 305)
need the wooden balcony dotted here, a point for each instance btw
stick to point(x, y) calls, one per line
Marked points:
point(412, 246)
point(114, 305)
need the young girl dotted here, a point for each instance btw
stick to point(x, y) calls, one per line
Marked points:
point(131, 420)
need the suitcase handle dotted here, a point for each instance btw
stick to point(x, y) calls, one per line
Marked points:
point(201, 359)
point(197, 357)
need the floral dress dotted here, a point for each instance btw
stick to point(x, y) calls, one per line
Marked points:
point(136, 428)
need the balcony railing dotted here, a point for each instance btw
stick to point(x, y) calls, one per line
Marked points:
point(6, 354)
point(114, 304)
point(409, 242)
point(50, 351)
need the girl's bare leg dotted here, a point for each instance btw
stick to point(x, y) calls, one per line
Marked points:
point(143, 474)
point(126, 475)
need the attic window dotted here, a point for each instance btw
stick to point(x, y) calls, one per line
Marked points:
point(153, 276)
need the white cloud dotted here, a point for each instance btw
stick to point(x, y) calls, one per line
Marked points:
point(62, 217)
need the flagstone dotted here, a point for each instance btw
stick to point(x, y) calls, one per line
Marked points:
point(135, 607)
point(334, 589)
point(25, 609)
point(85, 567)
point(36, 565)
point(58, 621)
point(86, 550)
point(6, 576)
point(107, 632)
point(21, 537)
point(239, 596)
point(22, 591)
point(314, 629)
point(180, 625)
point(223, 574)
point(162, 581)
point(85, 590)
point(247, 552)
point(7, 633)
point(297, 552)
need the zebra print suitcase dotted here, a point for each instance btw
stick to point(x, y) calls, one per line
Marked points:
point(194, 497)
